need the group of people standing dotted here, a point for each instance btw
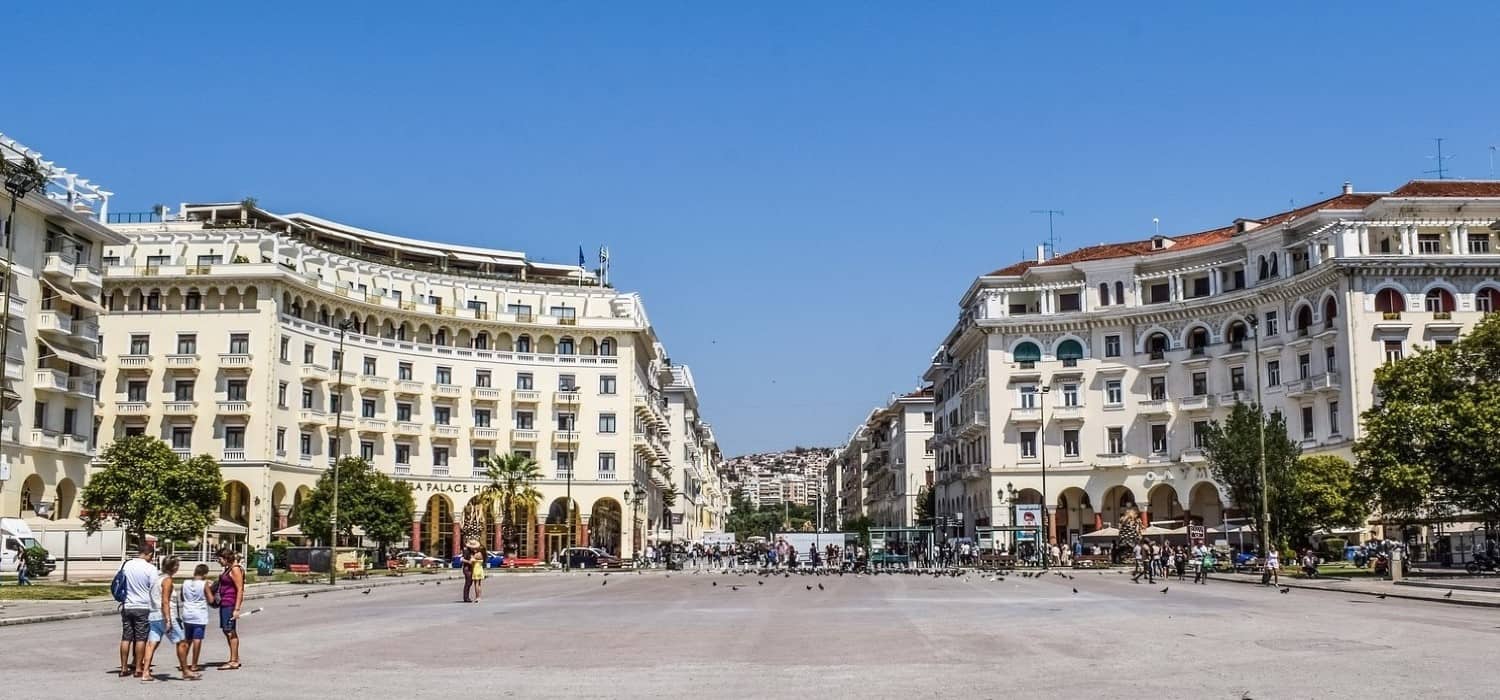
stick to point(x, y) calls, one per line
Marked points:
point(1159, 559)
point(472, 563)
point(157, 608)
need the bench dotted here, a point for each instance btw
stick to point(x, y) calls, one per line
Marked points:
point(396, 567)
point(990, 562)
point(354, 569)
point(1091, 561)
point(302, 571)
point(513, 562)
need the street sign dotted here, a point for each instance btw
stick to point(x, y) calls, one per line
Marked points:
point(1196, 533)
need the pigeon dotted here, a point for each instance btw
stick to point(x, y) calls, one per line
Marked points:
point(1164, 590)
point(304, 595)
point(1285, 590)
point(590, 575)
point(786, 575)
point(820, 586)
point(734, 588)
point(1000, 579)
point(1381, 596)
point(1449, 594)
point(606, 574)
point(809, 588)
point(762, 583)
point(716, 584)
point(437, 583)
point(606, 583)
point(367, 591)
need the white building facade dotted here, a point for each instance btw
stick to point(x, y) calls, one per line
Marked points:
point(52, 361)
point(899, 460)
point(1099, 369)
point(278, 343)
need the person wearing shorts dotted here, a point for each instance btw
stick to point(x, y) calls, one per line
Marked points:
point(194, 609)
point(230, 592)
point(135, 612)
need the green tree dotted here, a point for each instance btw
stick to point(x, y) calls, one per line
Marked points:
point(145, 487)
point(512, 480)
point(926, 506)
point(1323, 498)
point(387, 512)
point(374, 502)
point(1232, 451)
point(1430, 443)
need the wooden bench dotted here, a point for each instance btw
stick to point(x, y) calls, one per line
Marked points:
point(396, 567)
point(302, 571)
point(990, 562)
point(354, 569)
point(513, 562)
point(1091, 561)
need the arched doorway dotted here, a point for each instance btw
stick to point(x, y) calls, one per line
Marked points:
point(559, 518)
point(605, 525)
point(1075, 515)
point(236, 504)
point(1117, 500)
point(437, 527)
point(521, 531)
point(32, 492)
point(295, 516)
point(1204, 504)
point(1163, 505)
point(67, 499)
point(278, 502)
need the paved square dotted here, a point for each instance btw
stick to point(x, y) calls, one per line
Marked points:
point(645, 635)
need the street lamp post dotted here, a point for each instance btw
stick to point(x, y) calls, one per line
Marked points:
point(1010, 491)
point(572, 512)
point(1042, 452)
point(1260, 426)
point(21, 179)
point(338, 441)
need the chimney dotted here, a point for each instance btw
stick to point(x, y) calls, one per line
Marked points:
point(1348, 187)
point(1041, 253)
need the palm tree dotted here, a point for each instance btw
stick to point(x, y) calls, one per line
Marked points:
point(511, 485)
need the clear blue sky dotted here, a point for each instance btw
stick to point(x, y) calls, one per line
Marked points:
point(800, 191)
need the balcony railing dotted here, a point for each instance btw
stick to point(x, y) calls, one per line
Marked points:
point(235, 360)
point(183, 362)
point(51, 380)
point(450, 432)
point(234, 407)
point(180, 408)
point(408, 387)
point(566, 397)
point(373, 381)
point(54, 322)
point(314, 372)
point(525, 395)
point(127, 408)
point(1390, 315)
point(408, 428)
point(447, 390)
point(234, 455)
point(486, 393)
point(372, 425)
point(46, 439)
point(522, 435)
point(312, 415)
point(486, 434)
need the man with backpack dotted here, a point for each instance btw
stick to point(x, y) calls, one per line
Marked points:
point(132, 589)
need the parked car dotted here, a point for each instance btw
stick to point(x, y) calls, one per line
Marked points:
point(492, 560)
point(418, 560)
point(587, 558)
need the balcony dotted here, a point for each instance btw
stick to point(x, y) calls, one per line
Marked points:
point(1067, 414)
point(234, 455)
point(565, 398)
point(525, 396)
point(1230, 398)
point(183, 363)
point(83, 276)
point(1325, 382)
point(1191, 404)
point(408, 428)
point(51, 380)
point(485, 434)
point(180, 408)
point(132, 408)
point(312, 416)
point(565, 437)
point(522, 435)
point(407, 387)
point(18, 305)
point(1111, 459)
point(442, 431)
point(45, 439)
point(975, 424)
point(183, 452)
point(1155, 360)
point(314, 373)
point(1026, 415)
point(373, 382)
point(371, 425)
point(487, 394)
point(59, 266)
point(1153, 407)
point(54, 323)
point(447, 391)
point(83, 386)
point(1193, 455)
point(235, 361)
point(1295, 387)
point(234, 408)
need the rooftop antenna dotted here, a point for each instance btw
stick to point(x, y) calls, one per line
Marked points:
point(1155, 226)
point(1051, 234)
point(1492, 162)
point(1441, 171)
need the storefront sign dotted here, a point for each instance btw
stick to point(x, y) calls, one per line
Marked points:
point(441, 487)
point(1028, 515)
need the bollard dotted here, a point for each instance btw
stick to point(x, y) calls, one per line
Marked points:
point(1395, 564)
point(66, 535)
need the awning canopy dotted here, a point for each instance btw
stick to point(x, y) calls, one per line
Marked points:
point(225, 527)
point(1155, 531)
point(73, 297)
point(1028, 352)
point(1108, 533)
point(74, 357)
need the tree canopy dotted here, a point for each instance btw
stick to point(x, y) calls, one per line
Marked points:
point(368, 499)
point(1431, 443)
point(1232, 451)
point(512, 480)
point(145, 487)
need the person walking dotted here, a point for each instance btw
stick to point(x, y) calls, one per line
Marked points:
point(135, 612)
point(1273, 566)
point(1206, 562)
point(195, 613)
point(466, 568)
point(23, 571)
point(230, 592)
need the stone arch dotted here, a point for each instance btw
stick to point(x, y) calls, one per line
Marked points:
point(1487, 298)
point(607, 347)
point(1236, 331)
point(236, 504)
point(1440, 296)
point(1162, 502)
point(1156, 341)
point(1070, 345)
point(1117, 500)
point(546, 345)
point(1075, 513)
point(1205, 504)
point(588, 346)
point(1390, 299)
point(566, 345)
point(442, 335)
point(1302, 318)
point(1330, 306)
point(278, 501)
point(557, 511)
point(437, 527)
point(67, 499)
point(606, 520)
point(1197, 338)
point(1104, 294)
point(32, 493)
point(523, 343)
point(298, 497)
point(249, 297)
point(1026, 349)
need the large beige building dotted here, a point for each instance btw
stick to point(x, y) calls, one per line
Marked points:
point(897, 459)
point(277, 343)
point(1095, 372)
point(52, 358)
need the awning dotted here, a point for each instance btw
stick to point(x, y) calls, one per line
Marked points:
point(225, 527)
point(296, 531)
point(74, 357)
point(1108, 533)
point(74, 298)
point(1155, 531)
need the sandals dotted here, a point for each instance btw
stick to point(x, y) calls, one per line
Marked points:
point(234, 666)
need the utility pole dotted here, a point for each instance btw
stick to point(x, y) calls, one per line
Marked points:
point(1051, 234)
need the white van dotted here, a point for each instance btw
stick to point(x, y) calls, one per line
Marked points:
point(15, 537)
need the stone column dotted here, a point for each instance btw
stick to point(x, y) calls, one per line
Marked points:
point(458, 535)
point(1362, 239)
point(282, 513)
point(1456, 238)
point(541, 540)
point(499, 536)
point(416, 530)
point(1213, 281)
point(582, 538)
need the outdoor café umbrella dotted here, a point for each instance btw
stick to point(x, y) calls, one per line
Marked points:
point(1155, 531)
point(1108, 533)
